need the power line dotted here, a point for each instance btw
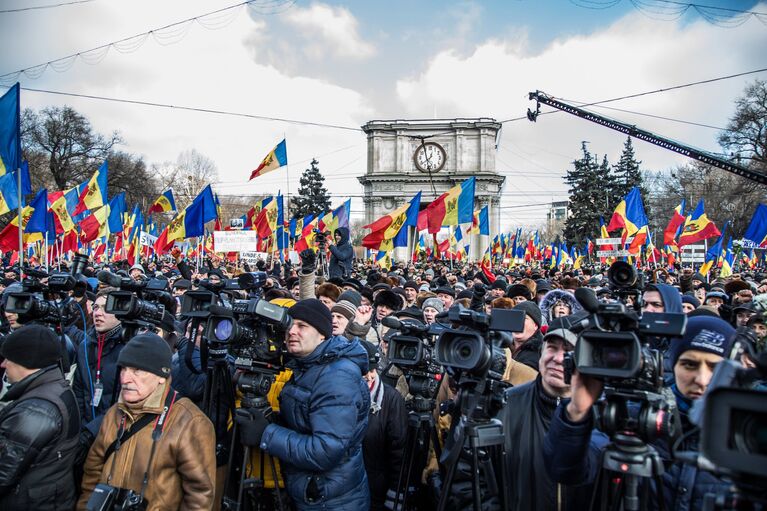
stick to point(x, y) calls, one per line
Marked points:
point(50, 6)
point(134, 42)
point(194, 109)
point(661, 117)
point(670, 10)
point(656, 91)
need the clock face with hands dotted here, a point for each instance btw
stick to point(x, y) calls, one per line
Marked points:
point(429, 157)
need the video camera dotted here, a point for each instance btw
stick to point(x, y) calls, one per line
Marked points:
point(614, 345)
point(139, 304)
point(49, 302)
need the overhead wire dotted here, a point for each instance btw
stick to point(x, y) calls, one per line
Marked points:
point(48, 6)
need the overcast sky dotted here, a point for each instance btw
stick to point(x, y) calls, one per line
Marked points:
point(350, 62)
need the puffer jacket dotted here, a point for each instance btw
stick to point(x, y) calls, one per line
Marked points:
point(341, 255)
point(323, 418)
point(183, 470)
point(573, 450)
point(85, 376)
point(557, 295)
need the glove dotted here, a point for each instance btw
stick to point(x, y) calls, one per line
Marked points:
point(252, 423)
point(308, 260)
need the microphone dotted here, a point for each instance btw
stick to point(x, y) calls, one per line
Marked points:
point(220, 310)
point(391, 322)
point(587, 298)
point(109, 278)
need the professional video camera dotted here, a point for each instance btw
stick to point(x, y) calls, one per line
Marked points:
point(614, 345)
point(48, 301)
point(139, 304)
point(732, 416)
point(473, 350)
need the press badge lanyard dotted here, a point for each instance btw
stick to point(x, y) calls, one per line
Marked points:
point(98, 387)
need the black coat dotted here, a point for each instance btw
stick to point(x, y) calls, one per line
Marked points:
point(341, 256)
point(530, 352)
point(39, 434)
point(383, 446)
point(526, 417)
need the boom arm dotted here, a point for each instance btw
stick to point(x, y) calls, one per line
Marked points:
point(690, 152)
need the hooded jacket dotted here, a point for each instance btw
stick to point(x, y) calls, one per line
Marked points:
point(557, 295)
point(324, 415)
point(672, 302)
point(341, 255)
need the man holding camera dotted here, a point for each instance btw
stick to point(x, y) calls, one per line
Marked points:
point(39, 429)
point(323, 415)
point(341, 254)
point(573, 449)
point(155, 449)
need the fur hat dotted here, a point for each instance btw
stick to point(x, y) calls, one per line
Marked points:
point(390, 299)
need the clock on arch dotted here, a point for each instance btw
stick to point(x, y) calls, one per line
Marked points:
point(429, 157)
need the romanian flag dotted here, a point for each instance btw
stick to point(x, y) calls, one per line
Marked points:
point(677, 221)
point(387, 228)
point(756, 233)
point(640, 238)
point(33, 220)
point(10, 137)
point(277, 158)
point(697, 227)
point(629, 215)
point(456, 206)
point(94, 194)
point(163, 203)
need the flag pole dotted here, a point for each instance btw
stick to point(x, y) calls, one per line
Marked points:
point(21, 226)
point(287, 176)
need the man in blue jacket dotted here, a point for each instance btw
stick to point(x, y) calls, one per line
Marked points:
point(323, 415)
point(572, 449)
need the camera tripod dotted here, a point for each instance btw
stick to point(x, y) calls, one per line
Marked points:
point(630, 461)
point(218, 399)
point(481, 439)
point(245, 490)
point(421, 433)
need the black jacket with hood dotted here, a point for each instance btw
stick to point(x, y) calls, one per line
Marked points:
point(341, 255)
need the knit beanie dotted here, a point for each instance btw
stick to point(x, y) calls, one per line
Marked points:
point(434, 303)
point(32, 346)
point(351, 296)
point(703, 333)
point(688, 298)
point(344, 308)
point(314, 312)
point(532, 310)
point(148, 352)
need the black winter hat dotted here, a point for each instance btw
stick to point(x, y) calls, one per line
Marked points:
point(148, 352)
point(314, 312)
point(519, 290)
point(389, 299)
point(499, 284)
point(532, 310)
point(411, 283)
point(32, 346)
point(445, 290)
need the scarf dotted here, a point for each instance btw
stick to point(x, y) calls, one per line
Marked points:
point(376, 395)
point(682, 403)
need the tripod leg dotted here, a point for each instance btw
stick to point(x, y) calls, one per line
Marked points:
point(276, 481)
point(245, 457)
point(446, 484)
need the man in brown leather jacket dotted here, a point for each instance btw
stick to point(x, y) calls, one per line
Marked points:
point(166, 454)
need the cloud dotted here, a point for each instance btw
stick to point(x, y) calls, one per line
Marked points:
point(329, 30)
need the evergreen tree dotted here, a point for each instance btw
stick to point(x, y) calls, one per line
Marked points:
point(312, 195)
point(586, 181)
point(626, 174)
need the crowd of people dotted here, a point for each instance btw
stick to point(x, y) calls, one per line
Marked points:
point(92, 419)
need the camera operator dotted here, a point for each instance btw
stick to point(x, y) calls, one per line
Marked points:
point(96, 377)
point(341, 254)
point(323, 415)
point(572, 449)
point(153, 442)
point(40, 428)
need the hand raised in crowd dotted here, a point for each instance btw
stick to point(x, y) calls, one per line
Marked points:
point(363, 314)
point(308, 259)
point(585, 392)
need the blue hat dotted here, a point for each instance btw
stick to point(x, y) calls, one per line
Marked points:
point(704, 333)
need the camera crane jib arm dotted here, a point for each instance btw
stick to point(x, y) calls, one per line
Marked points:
point(690, 152)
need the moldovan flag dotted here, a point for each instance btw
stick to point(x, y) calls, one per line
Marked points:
point(33, 220)
point(94, 194)
point(266, 221)
point(63, 221)
point(756, 233)
point(388, 226)
point(277, 158)
point(677, 220)
point(94, 225)
point(480, 223)
point(9, 195)
point(456, 206)
point(714, 253)
point(729, 260)
point(629, 215)
point(697, 227)
point(164, 203)
point(10, 138)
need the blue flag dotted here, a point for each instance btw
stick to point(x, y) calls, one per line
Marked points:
point(10, 137)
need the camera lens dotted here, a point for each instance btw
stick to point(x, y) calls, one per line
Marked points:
point(223, 330)
point(463, 351)
point(750, 432)
point(408, 352)
point(612, 357)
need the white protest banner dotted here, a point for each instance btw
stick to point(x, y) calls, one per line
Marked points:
point(146, 239)
point(235, 241)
